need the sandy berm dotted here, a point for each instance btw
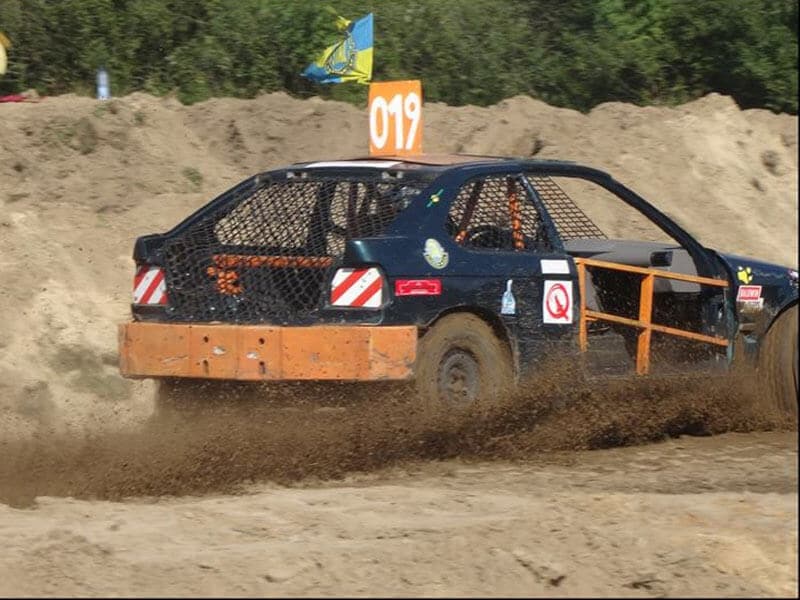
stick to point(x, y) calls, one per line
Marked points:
point(310, 499)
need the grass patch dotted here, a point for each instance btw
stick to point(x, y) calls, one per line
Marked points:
point(79, 135)
point(87, 371)
point(100, 109)
point(194, 177)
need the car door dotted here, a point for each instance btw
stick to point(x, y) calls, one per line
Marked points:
point(598, 219)
point(508, 260)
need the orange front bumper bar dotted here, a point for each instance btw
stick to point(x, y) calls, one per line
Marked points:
point(267, 353)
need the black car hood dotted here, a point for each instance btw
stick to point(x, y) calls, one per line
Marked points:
point(750, 271)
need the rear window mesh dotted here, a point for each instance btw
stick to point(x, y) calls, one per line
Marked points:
point(569, 220)
point(266, 254)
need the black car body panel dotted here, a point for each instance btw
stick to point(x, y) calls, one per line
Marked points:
point(470, 280)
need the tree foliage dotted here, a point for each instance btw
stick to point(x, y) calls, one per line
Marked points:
point(569, 53)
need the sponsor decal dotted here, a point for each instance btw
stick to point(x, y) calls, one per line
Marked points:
point(555, 267)
point(418, 287)
point(748, 298)
point(508, 304)
point(748, 293)
point(435, 255)
point(744, 274)
point(149, 286)
point(557, 302)
point(435, 198)
point(361, 288)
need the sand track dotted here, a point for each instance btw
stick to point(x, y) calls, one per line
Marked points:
point(377, 502)
point(698, 517)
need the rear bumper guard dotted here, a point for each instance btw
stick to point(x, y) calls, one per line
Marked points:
point(267, 353)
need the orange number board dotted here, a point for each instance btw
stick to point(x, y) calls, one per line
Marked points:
point(395, 118)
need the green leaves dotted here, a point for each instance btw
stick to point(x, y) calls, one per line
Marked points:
point(569, 53)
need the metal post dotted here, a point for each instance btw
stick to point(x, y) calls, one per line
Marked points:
point(583, 341)
point(645, 319)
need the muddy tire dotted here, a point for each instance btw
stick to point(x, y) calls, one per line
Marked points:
point(462, 365)
point(778, 364)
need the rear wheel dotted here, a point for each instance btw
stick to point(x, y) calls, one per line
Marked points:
point(462, 365)
point(778, 363)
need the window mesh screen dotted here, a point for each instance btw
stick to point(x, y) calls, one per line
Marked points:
point(569, 220)
point(267, 254)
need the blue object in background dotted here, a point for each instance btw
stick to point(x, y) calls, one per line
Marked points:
point(103, 87)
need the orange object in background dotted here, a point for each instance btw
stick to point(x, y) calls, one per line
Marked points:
point(395, 118)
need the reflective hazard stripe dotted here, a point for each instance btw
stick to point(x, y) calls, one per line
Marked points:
point(357, 288)
point(149, 286)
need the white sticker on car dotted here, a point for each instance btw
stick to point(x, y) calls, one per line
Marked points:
point(508, 304)
point(557, 303)
point(555, 267)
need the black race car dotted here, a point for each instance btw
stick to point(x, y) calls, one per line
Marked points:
point(459, 273)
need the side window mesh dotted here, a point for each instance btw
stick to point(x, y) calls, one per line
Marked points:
point(569, 220)
point(495, 213)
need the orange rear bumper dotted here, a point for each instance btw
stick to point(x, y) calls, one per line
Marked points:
point(264, 353)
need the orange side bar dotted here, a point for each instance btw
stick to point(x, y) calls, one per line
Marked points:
point(644, 321)
point(583, 338)
point(264, 353)
point(590, 262)
point(645, 313)
point(592, 315)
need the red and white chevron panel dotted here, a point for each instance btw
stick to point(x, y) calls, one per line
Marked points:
point(149, 286)
point(361, 288)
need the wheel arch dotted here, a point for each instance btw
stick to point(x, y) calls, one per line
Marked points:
point(779, 312)
point(492, 319)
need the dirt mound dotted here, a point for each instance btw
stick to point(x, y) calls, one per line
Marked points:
point(81, 179)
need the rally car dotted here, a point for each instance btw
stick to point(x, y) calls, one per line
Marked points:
point(460, 274)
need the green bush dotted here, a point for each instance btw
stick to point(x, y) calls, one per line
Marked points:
point(569, 53)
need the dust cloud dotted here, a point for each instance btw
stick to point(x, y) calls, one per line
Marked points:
point(219, 437)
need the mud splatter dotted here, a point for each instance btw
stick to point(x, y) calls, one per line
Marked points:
point(235, 435)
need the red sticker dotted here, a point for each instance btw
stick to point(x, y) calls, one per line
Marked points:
point(748, 293)
point(418, 287)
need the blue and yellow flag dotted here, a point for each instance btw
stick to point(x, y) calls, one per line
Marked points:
point(347, 60)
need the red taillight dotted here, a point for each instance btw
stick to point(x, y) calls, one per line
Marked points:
point(360, 288)
point(149, 286)
point(418, 287)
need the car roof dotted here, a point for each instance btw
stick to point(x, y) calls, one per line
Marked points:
point(423, 162)
point(440, 160)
